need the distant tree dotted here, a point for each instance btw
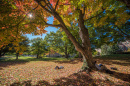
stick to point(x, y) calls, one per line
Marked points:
point(5, 49)
point(38, 46)
point(104, 49)
point(21, 47)
point(60, 43)
point(110, 49)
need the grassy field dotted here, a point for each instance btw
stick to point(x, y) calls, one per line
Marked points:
point(10, 58)
point(28, 71)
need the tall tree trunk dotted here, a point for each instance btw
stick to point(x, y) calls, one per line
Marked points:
point(37, 56)
point(17, 55)
point(66, 54)
point(84, 35)
point(49, 52)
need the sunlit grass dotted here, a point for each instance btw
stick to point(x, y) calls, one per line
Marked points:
point(28, 58)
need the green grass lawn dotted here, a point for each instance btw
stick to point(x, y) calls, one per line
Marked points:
point(115, 57)
point(9, 58)
point(28, 58)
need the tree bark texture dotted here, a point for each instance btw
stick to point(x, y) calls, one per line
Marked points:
point(37, 56)
point(84, 35)
point(17, 55)
point(66, 52)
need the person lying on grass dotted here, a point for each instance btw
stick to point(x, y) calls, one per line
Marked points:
point(102, 68)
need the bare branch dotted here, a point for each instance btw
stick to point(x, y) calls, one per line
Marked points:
point(59, 25)
point(35, 7)
point(47, 4)
point(50, 4)
point(56, 4)
point(43, 6)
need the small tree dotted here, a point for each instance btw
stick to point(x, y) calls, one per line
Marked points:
point(38, 46)
point(104, 49)
point(108, 50)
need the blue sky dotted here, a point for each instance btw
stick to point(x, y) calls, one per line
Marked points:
point(49, 29)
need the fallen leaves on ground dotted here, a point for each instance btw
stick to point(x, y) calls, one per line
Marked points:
point(40, 73)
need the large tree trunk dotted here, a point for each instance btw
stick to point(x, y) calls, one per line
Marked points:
point(84, 35)
point(66, 53)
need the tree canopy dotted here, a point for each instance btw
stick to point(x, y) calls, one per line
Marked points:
point(19, 12)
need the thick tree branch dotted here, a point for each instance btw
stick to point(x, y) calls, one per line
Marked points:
point(50, 4)
point(122, 31)
point(47, 4)
point(59, 25)
point(35, 7)
point(43, 6)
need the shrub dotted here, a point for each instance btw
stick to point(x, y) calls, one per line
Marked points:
point(104, 49)
point(96, 53)
point(108, 50)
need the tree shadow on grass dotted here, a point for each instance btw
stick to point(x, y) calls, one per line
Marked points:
point(80, 79)
point(122, 76)
point(11, 62)
point(110, 62)
point(76, 79)
point(121, 61)
point(73, 61)
point(73, 80)
point(41, 59)
point(24, 83)
point(56, 60)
